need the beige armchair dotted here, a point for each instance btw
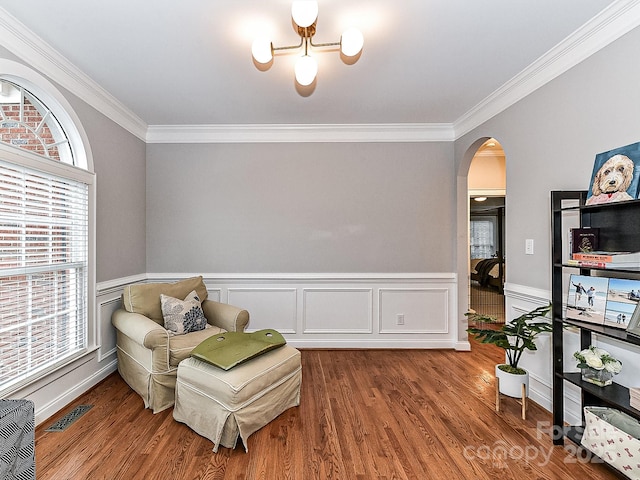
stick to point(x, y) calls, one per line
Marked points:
point(148, 354)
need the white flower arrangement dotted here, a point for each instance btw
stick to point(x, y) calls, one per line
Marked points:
point(598, 359)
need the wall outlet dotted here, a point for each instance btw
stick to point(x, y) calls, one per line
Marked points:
point(528, 246)
point(400, 319)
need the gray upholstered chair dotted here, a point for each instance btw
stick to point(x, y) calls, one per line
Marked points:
point(148, 354)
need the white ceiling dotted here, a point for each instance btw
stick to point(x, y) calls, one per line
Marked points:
point(189, 62)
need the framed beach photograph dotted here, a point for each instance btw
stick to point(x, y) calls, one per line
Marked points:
point(615, 176)
point(587, 298)
point(634, 324)
point(622, 300)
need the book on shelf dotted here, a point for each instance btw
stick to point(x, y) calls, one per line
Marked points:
point(609, 265)
point(584, 240)
point(608, 257)
point(587, 263)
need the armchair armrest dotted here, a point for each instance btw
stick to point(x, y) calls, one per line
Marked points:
point(140, 329)
point(229, 317)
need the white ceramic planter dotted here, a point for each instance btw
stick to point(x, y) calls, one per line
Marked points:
point(510, 384)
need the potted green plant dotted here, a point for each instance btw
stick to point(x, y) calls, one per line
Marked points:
point(514, 337)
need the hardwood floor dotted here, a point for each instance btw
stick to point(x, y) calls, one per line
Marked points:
point(364, 414)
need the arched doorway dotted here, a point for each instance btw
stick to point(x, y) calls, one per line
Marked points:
point(486, 192)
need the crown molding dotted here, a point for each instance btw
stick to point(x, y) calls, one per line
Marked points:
point(612, 23)
point(23, 43)
point(302, 133)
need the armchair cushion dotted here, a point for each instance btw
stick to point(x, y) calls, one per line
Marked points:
point(144, 298)
point(182, 316)
point(180, 346)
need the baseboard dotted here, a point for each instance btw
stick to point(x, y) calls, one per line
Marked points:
point(46, 411)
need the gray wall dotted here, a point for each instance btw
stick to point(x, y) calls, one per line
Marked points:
point(550, 140)
point(120, 164)
point(280, 208)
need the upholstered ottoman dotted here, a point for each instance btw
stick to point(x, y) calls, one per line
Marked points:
point(224, 404)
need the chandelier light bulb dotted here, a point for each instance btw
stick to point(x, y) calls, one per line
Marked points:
point(261, 50)
point(306, 69)
point(351, 42)
point(304, 12)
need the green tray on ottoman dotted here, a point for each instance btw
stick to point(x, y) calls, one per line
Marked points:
point(229, 349)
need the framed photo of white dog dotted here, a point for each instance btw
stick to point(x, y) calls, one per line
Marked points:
point(615, 176)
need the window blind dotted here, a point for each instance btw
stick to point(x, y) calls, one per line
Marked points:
point(482, 238)
point(44, 242)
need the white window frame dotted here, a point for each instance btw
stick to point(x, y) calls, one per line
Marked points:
point(82, 172)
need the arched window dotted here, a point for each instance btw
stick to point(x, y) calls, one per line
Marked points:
point(46, 237)
point(27, 123)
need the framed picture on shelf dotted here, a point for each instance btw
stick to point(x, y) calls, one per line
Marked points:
point(634, 324)
point(615, 176)
point(587, 298)
point(622, 300)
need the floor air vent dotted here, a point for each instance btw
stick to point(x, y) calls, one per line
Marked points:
point(69, 418)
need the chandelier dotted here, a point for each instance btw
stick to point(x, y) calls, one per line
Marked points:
point(305, 15)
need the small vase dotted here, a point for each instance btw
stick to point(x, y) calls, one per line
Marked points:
point(602, 378)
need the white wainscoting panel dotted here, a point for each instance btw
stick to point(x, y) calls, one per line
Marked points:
point(108, 300)
point(274, 308)
point(106, 332)
point(214, 294)
point(424, 310)
point(342, 310)
point(337, 310)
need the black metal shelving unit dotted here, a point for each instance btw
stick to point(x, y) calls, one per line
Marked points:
point(619, 225)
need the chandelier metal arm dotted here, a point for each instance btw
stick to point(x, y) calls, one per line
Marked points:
point(289, 47)
point(310, 43)
point(316, 45)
